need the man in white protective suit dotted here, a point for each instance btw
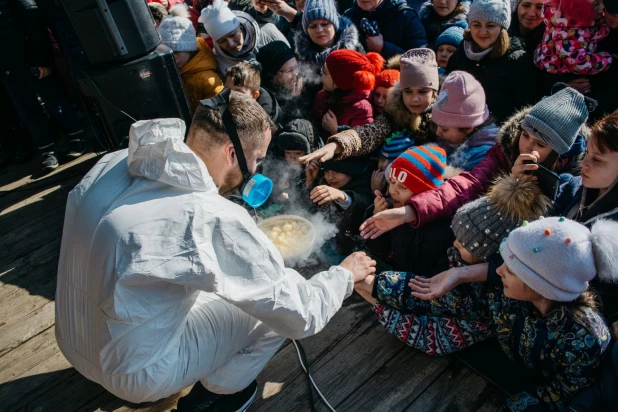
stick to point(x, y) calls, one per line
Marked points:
point(163, 282)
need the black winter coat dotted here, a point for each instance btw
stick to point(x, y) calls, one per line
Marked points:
point(24, 38)
point(421, 251)
point(510, 81)
point(399, 24)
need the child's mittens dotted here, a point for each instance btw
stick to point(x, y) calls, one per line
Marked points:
point(370, 28)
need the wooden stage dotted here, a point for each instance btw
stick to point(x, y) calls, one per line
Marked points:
point(356, 364)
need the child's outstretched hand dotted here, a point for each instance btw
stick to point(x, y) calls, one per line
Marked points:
point(379, 203)
point(377, 180)
point(329, 122)
point(365, 287)
point(311, 172)
point(435, 287)
point(325, 194)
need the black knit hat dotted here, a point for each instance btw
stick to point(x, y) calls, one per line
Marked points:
point(273, 56)
point(351, 166)
point(298, 134)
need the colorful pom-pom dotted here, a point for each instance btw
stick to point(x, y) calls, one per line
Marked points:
point(568, 240)
point(547, 232)
point(525, 223)
point(535, 249)
point(561, 219)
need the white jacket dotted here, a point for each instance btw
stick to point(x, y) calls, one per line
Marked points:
point(145, 231)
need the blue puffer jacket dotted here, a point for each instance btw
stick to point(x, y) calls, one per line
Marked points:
point(397, 22)
point(469, 154)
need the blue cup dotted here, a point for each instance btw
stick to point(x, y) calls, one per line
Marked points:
point(257, 190)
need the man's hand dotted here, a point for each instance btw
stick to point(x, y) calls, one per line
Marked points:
point(435, 287)
point(298, 87)
point(44, 72)
point(322, 154)
point(311, 173)
point(379, 203)
point(385, 221)
point(329, 122)
point(325, 194)
point(360, 265)
point(377, 180)
point(375, 43)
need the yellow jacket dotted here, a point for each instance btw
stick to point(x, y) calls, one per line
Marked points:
point(200, 77)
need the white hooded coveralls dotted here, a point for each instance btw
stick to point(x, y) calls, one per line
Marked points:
point(162, 282)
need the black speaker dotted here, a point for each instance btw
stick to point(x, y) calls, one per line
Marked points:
point(146, 88)
point(113, 30)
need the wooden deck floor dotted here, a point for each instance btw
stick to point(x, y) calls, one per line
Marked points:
point(357, 365)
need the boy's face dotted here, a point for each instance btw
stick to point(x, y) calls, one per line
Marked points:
point(327, 82)
point(336, 179)
point(453, 135)
point(466, 256)
point(292, 156)
point(399, 193)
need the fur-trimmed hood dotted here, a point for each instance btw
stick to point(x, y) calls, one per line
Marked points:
point(402, 118)
point(393, 63)
point(346, 38)
point(511, 129)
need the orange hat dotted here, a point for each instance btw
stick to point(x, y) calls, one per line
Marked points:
point(352, 70)
point(387, 78)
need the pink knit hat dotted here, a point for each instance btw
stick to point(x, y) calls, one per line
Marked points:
point(419, 69)
point(461, 102)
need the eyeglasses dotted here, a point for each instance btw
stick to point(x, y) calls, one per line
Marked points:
point(291, 70)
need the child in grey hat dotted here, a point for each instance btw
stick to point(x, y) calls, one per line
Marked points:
point(539, 307)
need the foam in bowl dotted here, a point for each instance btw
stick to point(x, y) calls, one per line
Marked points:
point(292, 235)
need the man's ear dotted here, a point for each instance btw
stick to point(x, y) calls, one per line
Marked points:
point(230, 154)
point(256, 94)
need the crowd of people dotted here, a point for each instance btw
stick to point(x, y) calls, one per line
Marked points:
point(471, 147)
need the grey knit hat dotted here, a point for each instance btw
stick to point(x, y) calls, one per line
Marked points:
point(556, 119)
point(498, 11)
point(557, 257)
point(480, 225)
point(177, 31)
point(419, 68)
point(299, 134)
point(318, 10)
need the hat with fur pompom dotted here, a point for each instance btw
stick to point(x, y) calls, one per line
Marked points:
point(557, 257)
point(480, 225)
point(352, 70)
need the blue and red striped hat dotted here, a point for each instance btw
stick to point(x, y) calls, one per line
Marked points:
point(420, 168)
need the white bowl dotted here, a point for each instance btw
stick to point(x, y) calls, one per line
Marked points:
point(267, 224)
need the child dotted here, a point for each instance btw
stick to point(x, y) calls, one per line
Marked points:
point(409, 107)
point(384, 82)
point(446, 45)
point(573, 30)
point(421, 251)
point(348, 77)
point(438, 16)
point(344, 195)
point(463, 120)
point(392, 148)
point(541, 309)
point(245, 78)
point(196, 62)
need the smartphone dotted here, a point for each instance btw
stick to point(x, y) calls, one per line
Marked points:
point(548, 181)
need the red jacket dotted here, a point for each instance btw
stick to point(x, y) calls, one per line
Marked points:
point(443, 201)
point(355, 109)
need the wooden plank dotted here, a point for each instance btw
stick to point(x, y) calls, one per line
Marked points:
point(343, 369)
point(284, 366)
point(14, 334)
point(28, 355)
point(494, 402)
point(458, 388)
point(398, 383)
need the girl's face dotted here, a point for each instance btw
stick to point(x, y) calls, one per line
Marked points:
point(286, 76)
point(599, 170)
point(327, 82)
point(321, 32)
point(466, 256)
point(379, 99)
point(418, 99)
point(453, 135)
point(181, 58)
point(485, 33)
point(368, 5)
point(399, 193)
point(444, 7)
point(445, 51)
point(336, 179)
point(530, 13)
point(292, 156)
point(514, 287)
point(232, 42)
point(528, 144)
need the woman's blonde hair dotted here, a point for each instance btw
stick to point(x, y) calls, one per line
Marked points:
point(500, 47)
